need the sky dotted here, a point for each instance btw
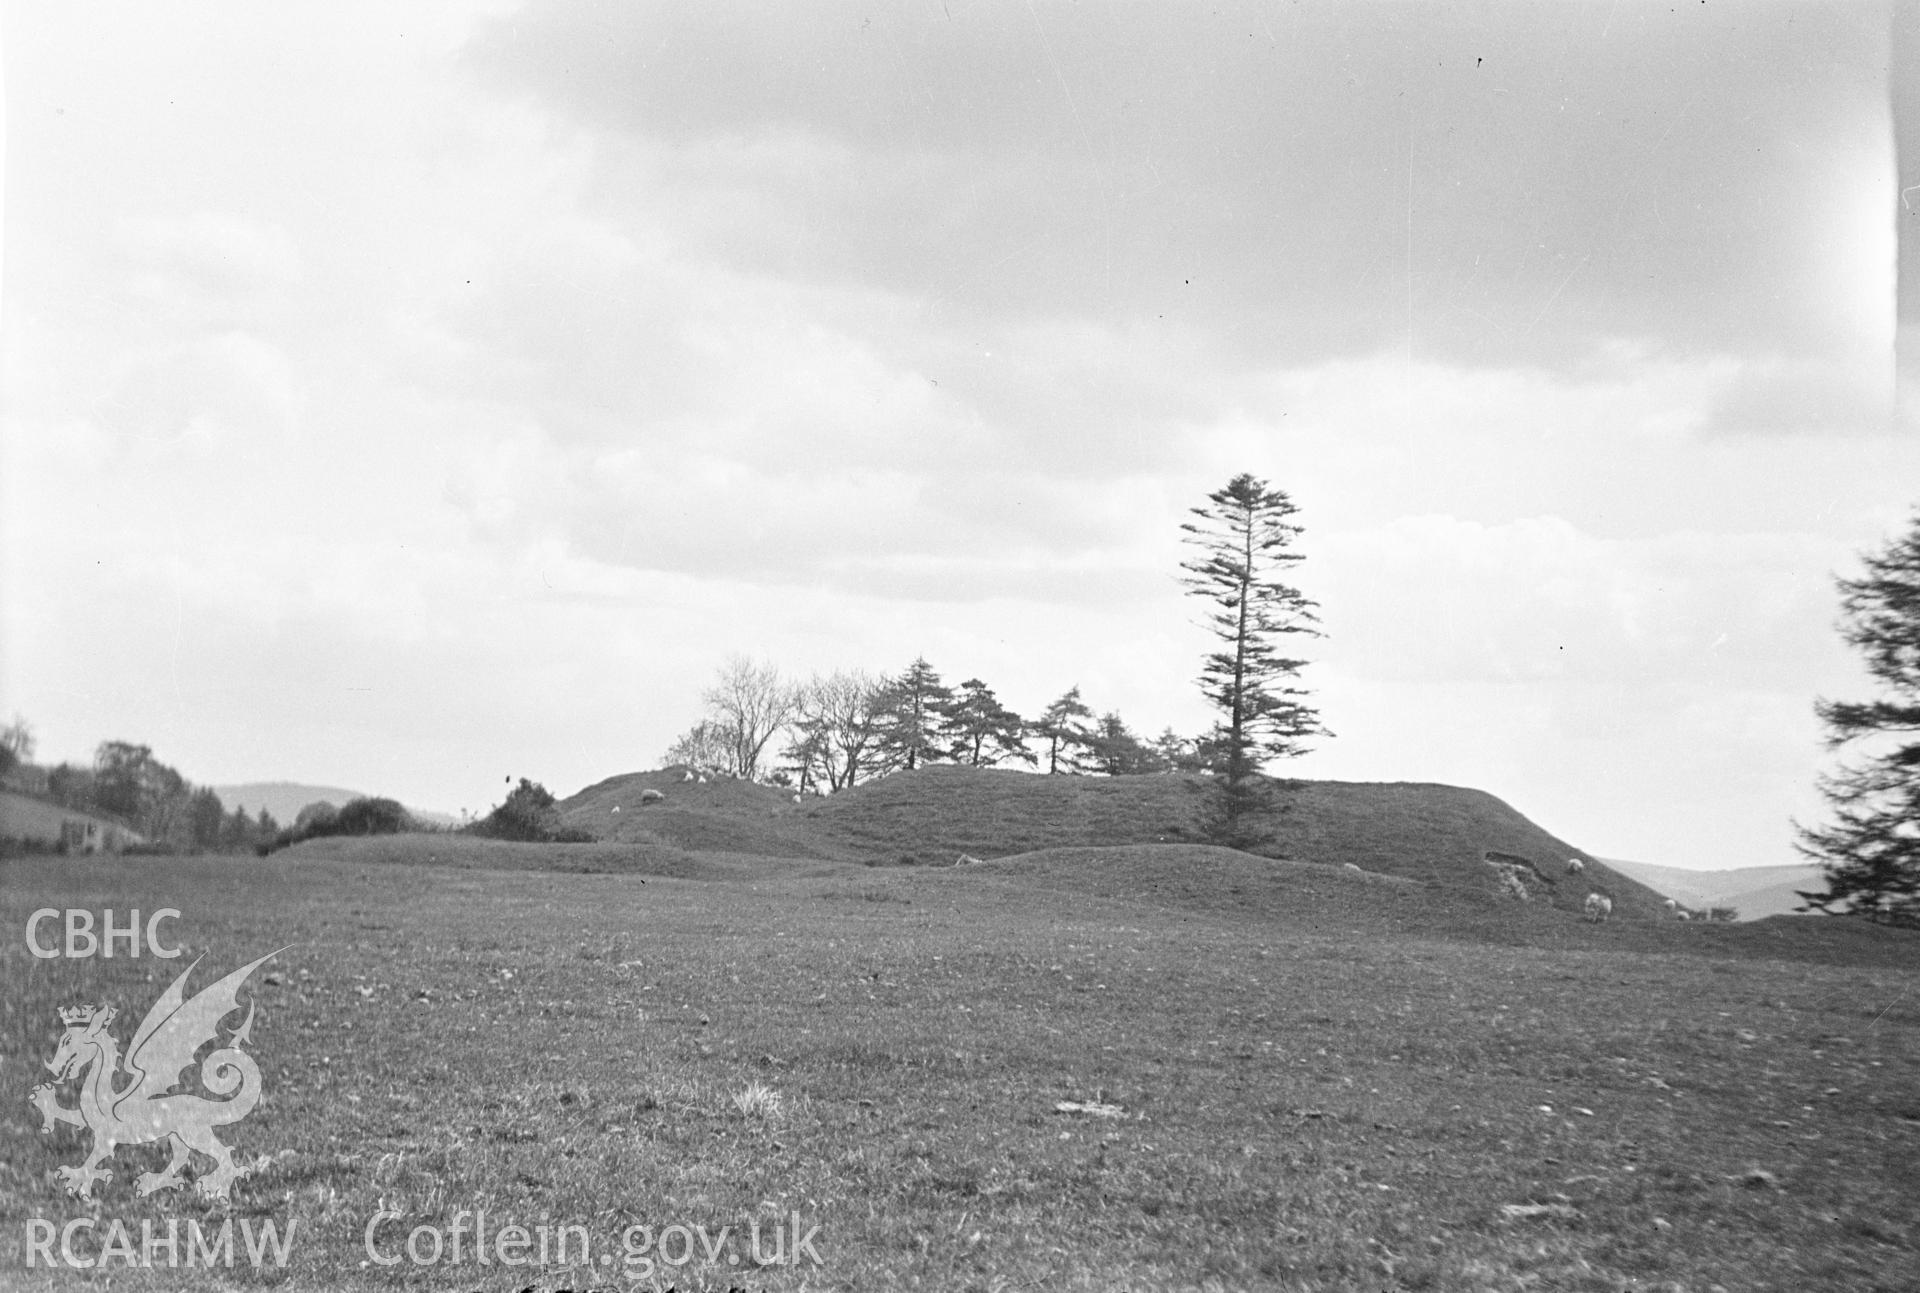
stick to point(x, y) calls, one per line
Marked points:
point(410, 398)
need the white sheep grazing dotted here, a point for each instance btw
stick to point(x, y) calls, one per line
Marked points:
point(1575, 866)
point(796, 799)
point(1348, 866)
point(966, 859)
point(687, 775)
point(1684, 915)
point(649, 796)
point(1599, 907)
point(1672, 905)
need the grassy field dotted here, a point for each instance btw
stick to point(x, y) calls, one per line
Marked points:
point(1276, 1077)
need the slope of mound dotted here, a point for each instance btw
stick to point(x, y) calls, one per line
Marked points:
point(639, 857)
point(1445, 834)
point(1449, 834)
point(1204, 877)
point(933, 814)
point(714, 815)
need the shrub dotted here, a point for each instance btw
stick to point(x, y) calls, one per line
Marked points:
point(371, 817)
point(314, 819)
point(528, 814)
point(365, 816)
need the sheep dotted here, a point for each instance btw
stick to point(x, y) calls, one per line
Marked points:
point(688, 775)
point(966, 859)
point(650, 796)
point(796, 799)
point(1672, 905)
point(1684, 915)
point(1348, 866)
point(1598, 907)
point(1575, 866)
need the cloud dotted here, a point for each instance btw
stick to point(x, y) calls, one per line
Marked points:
point(1806, 397)
point(1316, 182)
point(1448, 602)
point(227, 391)
point(211, 258)
point(441, 395)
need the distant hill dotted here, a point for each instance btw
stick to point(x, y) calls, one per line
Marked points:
point(1430, 833)
point(1755, 892)
point(285, 799)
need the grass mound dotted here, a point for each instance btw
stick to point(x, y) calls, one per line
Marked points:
point(1455, 838)
point(1423, 832)
point(937, 813)
point(716, 815)
point(1450, 835)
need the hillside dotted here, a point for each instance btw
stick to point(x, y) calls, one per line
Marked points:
point(1754, 892)
point(40, 823)
point(1206, 878)
point(1429, 833)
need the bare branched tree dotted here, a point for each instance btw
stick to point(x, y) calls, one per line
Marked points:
point(753, 702)
point(838, 728)
point(708, 746)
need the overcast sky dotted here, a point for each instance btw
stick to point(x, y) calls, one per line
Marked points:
point(409, 397)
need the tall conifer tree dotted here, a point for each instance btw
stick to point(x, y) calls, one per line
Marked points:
point(914, 711)
point(1871, 849)
point(1244, 537)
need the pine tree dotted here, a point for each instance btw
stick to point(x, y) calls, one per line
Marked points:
point(1175, 752)
point(205, 816)
point(1245, 541)
point(982, 730)
point(1066, 729)
point(1117, 752)
point(914, 709)
point(237, 832)
point(1871, 850)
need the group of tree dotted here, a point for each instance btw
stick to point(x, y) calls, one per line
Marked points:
point(365, 815)
point(126, 783)
point(838, 729)
point(850, 726)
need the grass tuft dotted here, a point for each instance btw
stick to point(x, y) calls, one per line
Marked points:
point(757, 1101)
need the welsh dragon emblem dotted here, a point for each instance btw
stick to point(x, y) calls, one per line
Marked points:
point(147, 1108)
